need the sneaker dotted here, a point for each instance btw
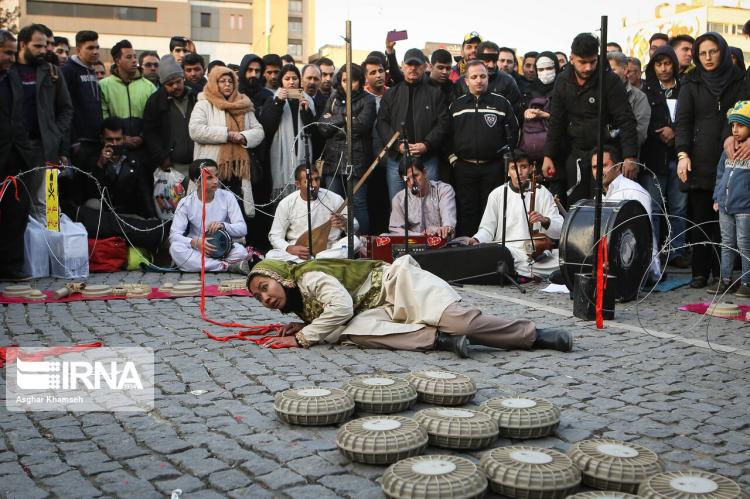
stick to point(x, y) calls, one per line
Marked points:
point(743, 291)
point(721, 287)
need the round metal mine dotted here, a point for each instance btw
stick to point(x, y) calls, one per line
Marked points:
point(381, 393)
point(313, 406)
point(428, 477)
point(443, 387)
point(457, 428)
point(523, 417)
point(381, 439)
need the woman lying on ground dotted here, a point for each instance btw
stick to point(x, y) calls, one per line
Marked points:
point(379, 305)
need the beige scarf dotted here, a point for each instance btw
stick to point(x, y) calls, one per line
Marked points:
point(234, 159)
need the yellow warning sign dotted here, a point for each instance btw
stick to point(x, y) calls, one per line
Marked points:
point(53, 202)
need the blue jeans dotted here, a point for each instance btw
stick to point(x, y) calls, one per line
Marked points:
point(735, 234)
point(337, 184)
point(396, 181)
point(676, 202)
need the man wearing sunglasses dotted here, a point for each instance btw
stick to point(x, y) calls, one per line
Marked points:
point(149, 64)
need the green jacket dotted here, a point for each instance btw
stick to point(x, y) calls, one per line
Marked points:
point(126, 101)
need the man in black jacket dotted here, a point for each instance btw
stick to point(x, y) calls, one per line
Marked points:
point(662, 87)
point(166, 118)
point(417, 110)
point(574, 114)
point(16, 155)
point(480, 122)
point(80, 78)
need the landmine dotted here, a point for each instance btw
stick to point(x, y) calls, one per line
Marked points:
point(442, 387)
point(602, 494)
point(381, 393)
point(530, 472)
point(690, 485)
point(428, 477)
point(313, 406)
point(23, 291)
point(457, 428)
point(522, 417)
point(229, 285)
point(186, 288)
point(608, 464)
point(93, 290)
point(724, 310)
point(381, 439)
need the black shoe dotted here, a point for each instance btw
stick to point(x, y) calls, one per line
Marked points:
point(556, 277)
point(698, 282)
point(450, 343)
point(14, 276)
point(553, 339)
point(722, 286)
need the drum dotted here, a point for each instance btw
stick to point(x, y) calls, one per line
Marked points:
point(221, 242)
point(629, 243)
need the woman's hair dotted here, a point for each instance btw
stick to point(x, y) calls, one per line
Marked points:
point(286, 69)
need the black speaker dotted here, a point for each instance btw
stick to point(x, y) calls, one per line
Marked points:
point(464, 264)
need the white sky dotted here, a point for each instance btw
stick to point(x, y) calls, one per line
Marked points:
point(523, 24)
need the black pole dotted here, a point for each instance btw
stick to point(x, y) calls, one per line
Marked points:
point(406, 159)
point(598, 187)
point(349, 166)
point(506, 157)
point(308, 174)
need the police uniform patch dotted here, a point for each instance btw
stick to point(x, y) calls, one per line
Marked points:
point(491, 119)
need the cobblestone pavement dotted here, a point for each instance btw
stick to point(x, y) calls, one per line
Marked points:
point(663, 387)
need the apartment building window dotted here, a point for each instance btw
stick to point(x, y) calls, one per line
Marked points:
point(240, 21)
point(295, 25)
point(295, 48)
point(124, 13)
point(205, 19)
point(231, 21)
point(295, 5)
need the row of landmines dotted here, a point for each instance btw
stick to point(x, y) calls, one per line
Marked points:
point(615, 468)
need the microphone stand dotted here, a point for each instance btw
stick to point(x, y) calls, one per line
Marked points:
point(506, 158)
point(509, 137)
point(406, 161)
point(308, 173)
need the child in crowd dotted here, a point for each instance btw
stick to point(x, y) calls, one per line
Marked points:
point(732, 201)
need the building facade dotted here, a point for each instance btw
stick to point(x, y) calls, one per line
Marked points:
point(221, 29)
point(693, 18)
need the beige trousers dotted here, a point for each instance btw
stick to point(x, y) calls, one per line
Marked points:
point(459, 320)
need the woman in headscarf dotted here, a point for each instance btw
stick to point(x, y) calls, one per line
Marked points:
point(223, 126)
point(706, 96)
point(283, 118)
point(334, 154)
point(378, 305)
point(738, 58)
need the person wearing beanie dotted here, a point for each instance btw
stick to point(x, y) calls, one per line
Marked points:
point(166, 119)
point(732, 201)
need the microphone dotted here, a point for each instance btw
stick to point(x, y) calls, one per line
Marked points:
point(543, 256)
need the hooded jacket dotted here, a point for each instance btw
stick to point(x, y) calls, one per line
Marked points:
point(701, 115)
point(575, 111)
point(126, 101)
point(159, 133)
point(83, 88)
point(363, 119)
point(655, 154)
point(257, 92)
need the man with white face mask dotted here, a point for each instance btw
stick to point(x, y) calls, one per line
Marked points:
point(536, 107)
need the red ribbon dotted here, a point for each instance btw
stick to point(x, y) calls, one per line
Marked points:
point(9, 356)
point(601, 280)
point(264, 329)
point(4, 186)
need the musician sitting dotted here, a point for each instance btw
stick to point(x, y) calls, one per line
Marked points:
point(222, 214)
point(290, 221)
point(544, 218)
point(432, 206)
point(617, 187)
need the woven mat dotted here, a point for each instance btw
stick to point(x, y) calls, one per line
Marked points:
point(211, 290)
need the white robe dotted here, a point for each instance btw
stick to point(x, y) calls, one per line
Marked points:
point(290, 222)
point(517, 230)
point(188, 220)
point(622, 188)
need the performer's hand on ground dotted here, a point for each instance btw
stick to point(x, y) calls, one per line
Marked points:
point(337, 220)
point(629, 168)
point(196, 244)
point(292, 328)
point(548, 167)
point(281, 342)
point(213, 227)
point(299, 251)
